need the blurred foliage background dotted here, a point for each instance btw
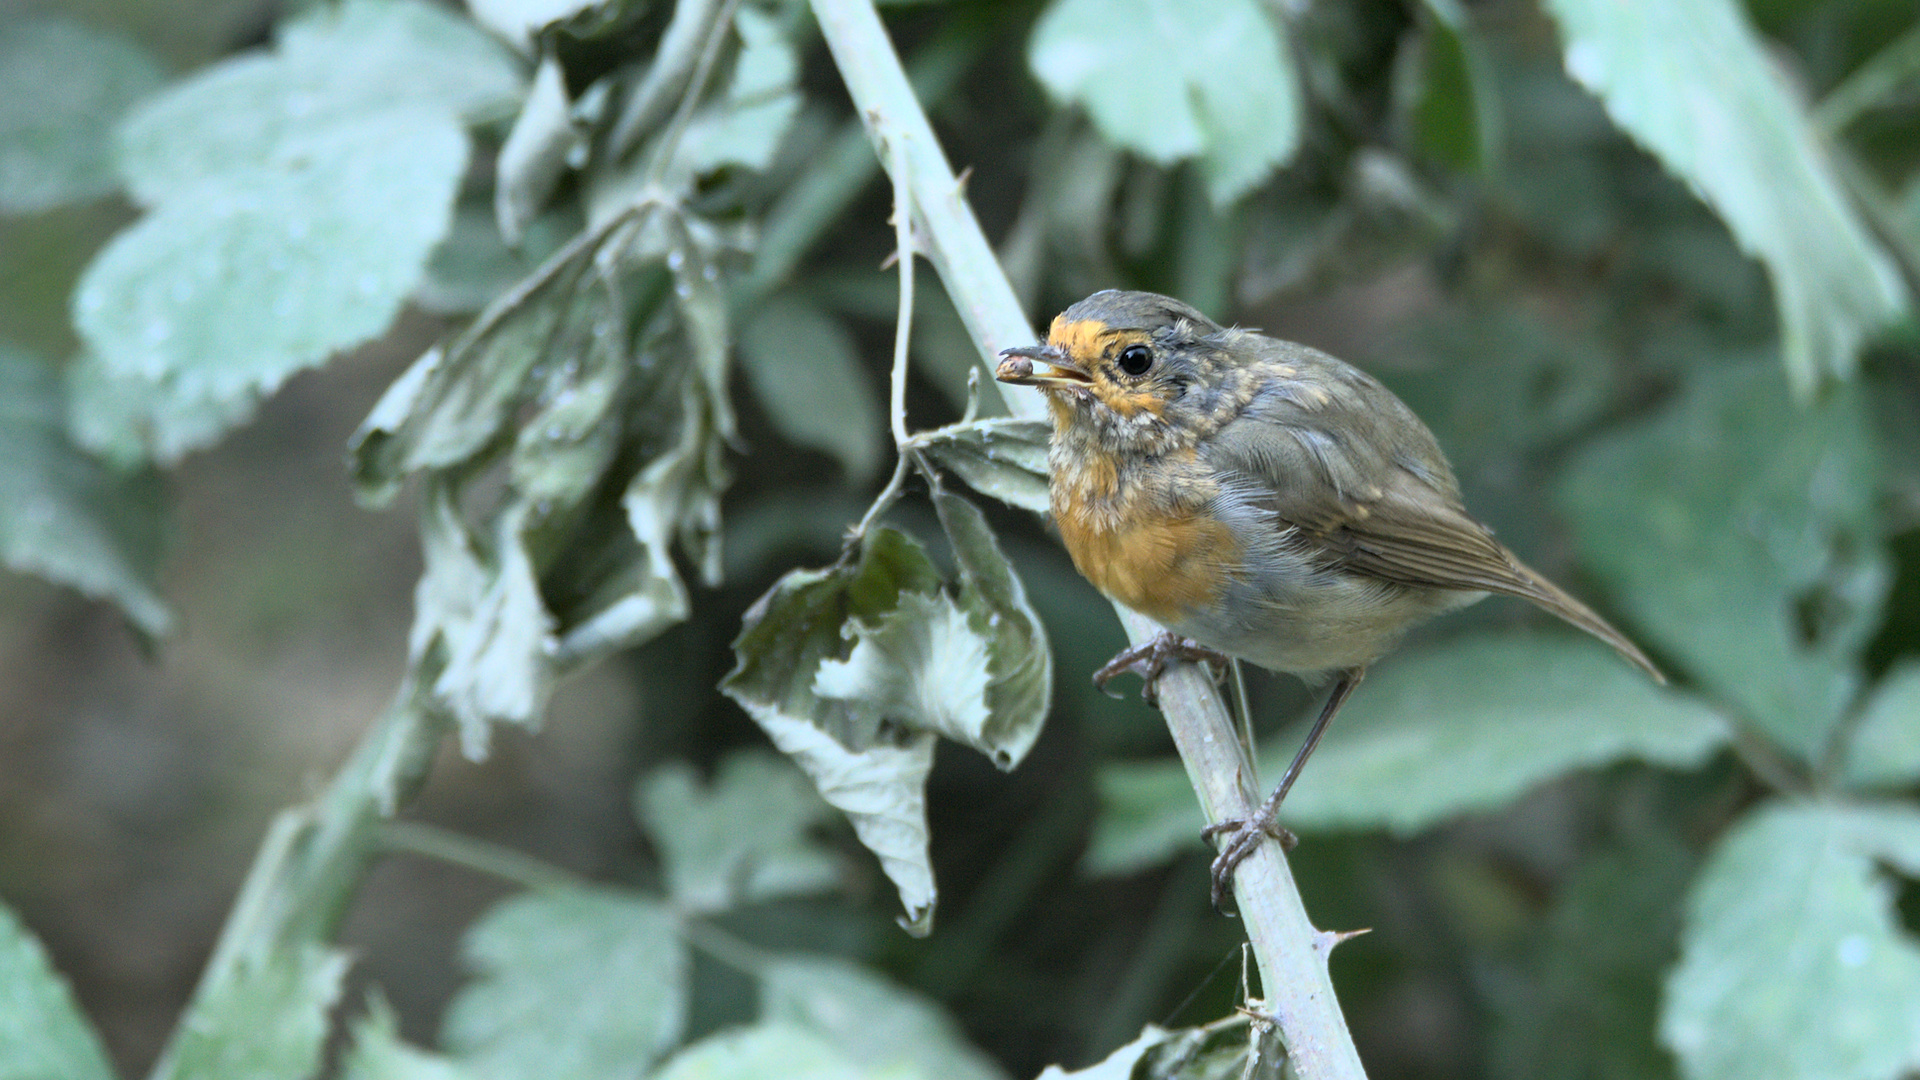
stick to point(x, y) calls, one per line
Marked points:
point(1647, 272)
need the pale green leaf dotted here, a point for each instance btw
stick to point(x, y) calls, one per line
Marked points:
point(742, 838)
point(130, 419)
point(768, 1050)
point(1019, 665)
point(518, 20)
point(63, 87)
point(43, 1035)
point(268, 1018)
point(1694, 84)
point(875, 775)
point(1793, 962)
point(338, 64)
point(479, 621)
point(247, 277)
point(805, 369)
point(1002, 457)
point(1218, 1051)
point(574, 985)
point(64, 517)
point(1884, 750)
point(534, 157)
point(379, 1054)
point(1471, 724)
point(1742, 535)
point(1227, 94)
point(473, 264)
point(921, 664)
point(880, 1024)
point(745, 127)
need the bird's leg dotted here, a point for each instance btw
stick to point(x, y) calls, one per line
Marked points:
point(1149, 661)
point(1244, 834)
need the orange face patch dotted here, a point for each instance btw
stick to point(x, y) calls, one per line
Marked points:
point(1082, 340)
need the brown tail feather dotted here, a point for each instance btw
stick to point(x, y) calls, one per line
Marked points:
point(1554, 599)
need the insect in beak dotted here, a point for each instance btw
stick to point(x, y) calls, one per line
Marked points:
point(1060, 372)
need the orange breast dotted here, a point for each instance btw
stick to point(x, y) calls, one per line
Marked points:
point(1162, 567)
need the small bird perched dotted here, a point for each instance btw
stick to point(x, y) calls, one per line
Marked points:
point(1259, 499)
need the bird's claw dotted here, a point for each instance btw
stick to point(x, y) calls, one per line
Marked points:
point(1243, 837)
point(1150, 660)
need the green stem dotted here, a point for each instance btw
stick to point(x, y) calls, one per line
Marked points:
point(314, 856)
point(1291, 953)
point(480, 856)
point(1870, 84)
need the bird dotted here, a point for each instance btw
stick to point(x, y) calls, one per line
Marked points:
point(1261, 500)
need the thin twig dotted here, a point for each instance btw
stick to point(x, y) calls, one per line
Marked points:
point(901, 169)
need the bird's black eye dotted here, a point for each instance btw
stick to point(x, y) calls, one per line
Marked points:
point(1136, 359)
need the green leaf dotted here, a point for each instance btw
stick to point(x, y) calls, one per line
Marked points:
point(473, 264)
point(63, 87)
point(379, 1054)
point(881, 1025)
point(518, 21)
point(741, 839)
point(876, 775)
point(1504, 713)
point(130, 419)
point(1793, 961)
point(534, 157)
point(1693, 83)
point(767, 1050)
point(574, 985)
point(338, 65)
point(64, 517)
point(1884, 750)
point(805, 370)
point(1452, 102)
point(1759, 565)
point(745, 128)
point(1019, 657)
point(480, 624)
point(246, 277)
point(1002, 457)
point(1227, 94)
point(43, 1035)
point(270, 1019)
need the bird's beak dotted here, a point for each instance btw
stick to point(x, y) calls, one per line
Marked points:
point(1017, 367)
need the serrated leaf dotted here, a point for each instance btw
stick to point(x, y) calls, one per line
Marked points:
point(805, 369)
point(338, 64)
point(745, 128)
point(270, 1018)
point(64, 517)
point(129, 420)
point(379, 1054)
point(1693, 83)
point(1884, 749)
point(43, 1035)
point(741, 839)
point(1793, 961)
point(574, 985)
point(1504, 713)
point(269, 271)
point(63, 87)
point(1769, 533)
point(764, 1050)
point(881, 1025)
point(1228, 95)
point(1002, 457)
point(875, 775)
point(534, 157)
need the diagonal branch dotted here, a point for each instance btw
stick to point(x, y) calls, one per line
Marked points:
point(1291, 953)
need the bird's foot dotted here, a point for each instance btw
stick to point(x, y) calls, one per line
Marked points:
point(1243, 836)
point(1149, 661)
